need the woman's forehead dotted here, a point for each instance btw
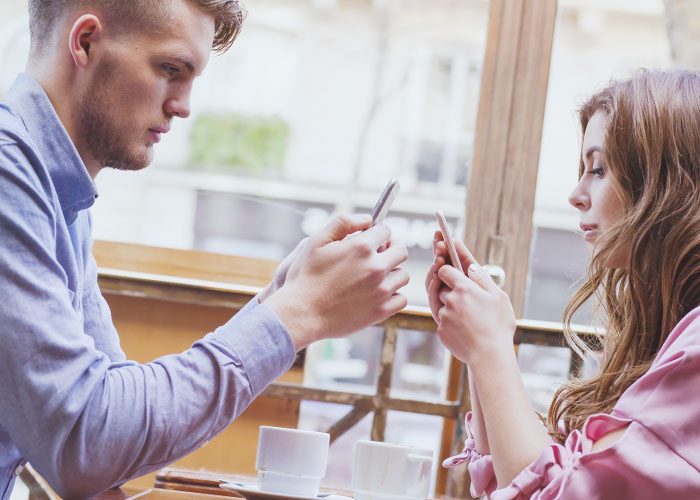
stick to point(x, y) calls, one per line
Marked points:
point(594, 135)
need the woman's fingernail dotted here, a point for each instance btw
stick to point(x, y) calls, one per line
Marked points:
point(474, 268)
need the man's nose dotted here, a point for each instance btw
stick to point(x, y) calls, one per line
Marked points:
point(178, 105)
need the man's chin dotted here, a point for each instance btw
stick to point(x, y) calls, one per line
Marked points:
point(134, 163)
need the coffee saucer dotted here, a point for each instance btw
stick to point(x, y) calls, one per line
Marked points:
point(251, 492)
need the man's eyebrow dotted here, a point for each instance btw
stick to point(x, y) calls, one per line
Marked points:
point(186, 63)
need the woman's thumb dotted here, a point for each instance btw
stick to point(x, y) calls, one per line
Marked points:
point(477, 274)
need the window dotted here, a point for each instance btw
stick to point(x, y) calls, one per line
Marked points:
point(439, 131)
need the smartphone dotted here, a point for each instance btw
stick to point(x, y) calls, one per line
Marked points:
point(384, 202)
point(449, 242)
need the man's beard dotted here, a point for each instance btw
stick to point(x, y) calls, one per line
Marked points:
point(107, 143)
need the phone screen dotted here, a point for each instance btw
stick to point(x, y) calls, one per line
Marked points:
point(381, 208)
point(449, 242)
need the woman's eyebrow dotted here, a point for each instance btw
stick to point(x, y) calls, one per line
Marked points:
point(590, 151)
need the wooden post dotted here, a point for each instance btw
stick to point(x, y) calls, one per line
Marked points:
point(457, 485)
point(386, 367)
point(501, 195)
point(358, 412)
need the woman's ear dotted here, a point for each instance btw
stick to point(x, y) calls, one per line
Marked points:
point(85, 32)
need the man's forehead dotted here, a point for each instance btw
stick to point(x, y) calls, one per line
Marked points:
point(183, 16)
point(186, 35)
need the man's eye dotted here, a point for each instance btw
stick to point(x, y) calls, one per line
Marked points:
point(170, 70)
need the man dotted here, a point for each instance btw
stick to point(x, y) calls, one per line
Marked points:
point(104, 80)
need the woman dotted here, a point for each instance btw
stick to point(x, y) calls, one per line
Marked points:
point(632, 431)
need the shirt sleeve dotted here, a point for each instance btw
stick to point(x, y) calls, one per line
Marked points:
point(657, 456)
point(87, 423)
point(483, 477)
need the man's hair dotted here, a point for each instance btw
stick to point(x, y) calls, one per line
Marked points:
point(131, 15)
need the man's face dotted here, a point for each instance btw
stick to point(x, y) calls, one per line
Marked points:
point(139, 84)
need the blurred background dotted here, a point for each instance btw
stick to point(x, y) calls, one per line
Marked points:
point(318, 104)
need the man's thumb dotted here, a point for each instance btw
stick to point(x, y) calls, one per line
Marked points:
point(341, 226)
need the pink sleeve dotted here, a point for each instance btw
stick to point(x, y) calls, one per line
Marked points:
point(657, 456)
point(480, 466)
point(638, 465)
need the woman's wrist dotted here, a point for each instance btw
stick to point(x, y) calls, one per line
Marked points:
point(483, 355)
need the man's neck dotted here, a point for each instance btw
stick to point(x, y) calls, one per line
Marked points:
point(64, 96)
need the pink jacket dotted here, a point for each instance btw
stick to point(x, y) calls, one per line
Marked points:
point(658, 456)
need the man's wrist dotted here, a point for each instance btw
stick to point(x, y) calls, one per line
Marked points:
point(265, 293)
point(301, 321)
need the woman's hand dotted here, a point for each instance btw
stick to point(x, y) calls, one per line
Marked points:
point(476, 316)
point(433, 284)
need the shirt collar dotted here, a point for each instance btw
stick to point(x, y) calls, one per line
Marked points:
point(75, 188)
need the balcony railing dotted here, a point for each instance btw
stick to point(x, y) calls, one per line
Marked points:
point(211, 293)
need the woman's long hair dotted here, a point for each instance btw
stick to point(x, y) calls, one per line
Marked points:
point(652, 152)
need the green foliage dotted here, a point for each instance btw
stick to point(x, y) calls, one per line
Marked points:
point(231, 141)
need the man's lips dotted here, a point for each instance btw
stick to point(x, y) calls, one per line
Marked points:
point(157, 132)
point(161, 130)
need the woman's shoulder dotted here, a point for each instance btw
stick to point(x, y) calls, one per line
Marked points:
point(674, 372)
point(684, 337)
point(662, 401)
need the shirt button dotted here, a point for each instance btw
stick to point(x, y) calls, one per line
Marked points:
point(19, 469)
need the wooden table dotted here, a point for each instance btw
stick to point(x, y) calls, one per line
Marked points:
point(153, 494)
point(208, 482)
point(179, 484)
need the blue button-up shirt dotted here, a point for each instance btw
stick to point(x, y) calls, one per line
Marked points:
point(71, 404)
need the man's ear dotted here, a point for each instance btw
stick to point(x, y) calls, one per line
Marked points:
point(86, 31)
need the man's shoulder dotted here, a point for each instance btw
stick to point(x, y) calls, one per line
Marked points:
point(12, 130)
point(20, 161)
point(15, 140)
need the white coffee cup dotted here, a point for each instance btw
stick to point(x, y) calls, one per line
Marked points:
point(291, 461)
point(383, 471)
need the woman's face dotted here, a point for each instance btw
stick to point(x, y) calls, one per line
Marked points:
point(594, 196)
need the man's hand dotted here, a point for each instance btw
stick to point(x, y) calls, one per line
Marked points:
point(280, 275)
point(340, 282)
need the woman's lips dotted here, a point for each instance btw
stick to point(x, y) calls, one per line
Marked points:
point(590, 231)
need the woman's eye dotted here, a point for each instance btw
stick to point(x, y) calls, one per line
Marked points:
point(597, 171)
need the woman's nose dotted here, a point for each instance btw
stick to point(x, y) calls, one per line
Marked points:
point(579, 199)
